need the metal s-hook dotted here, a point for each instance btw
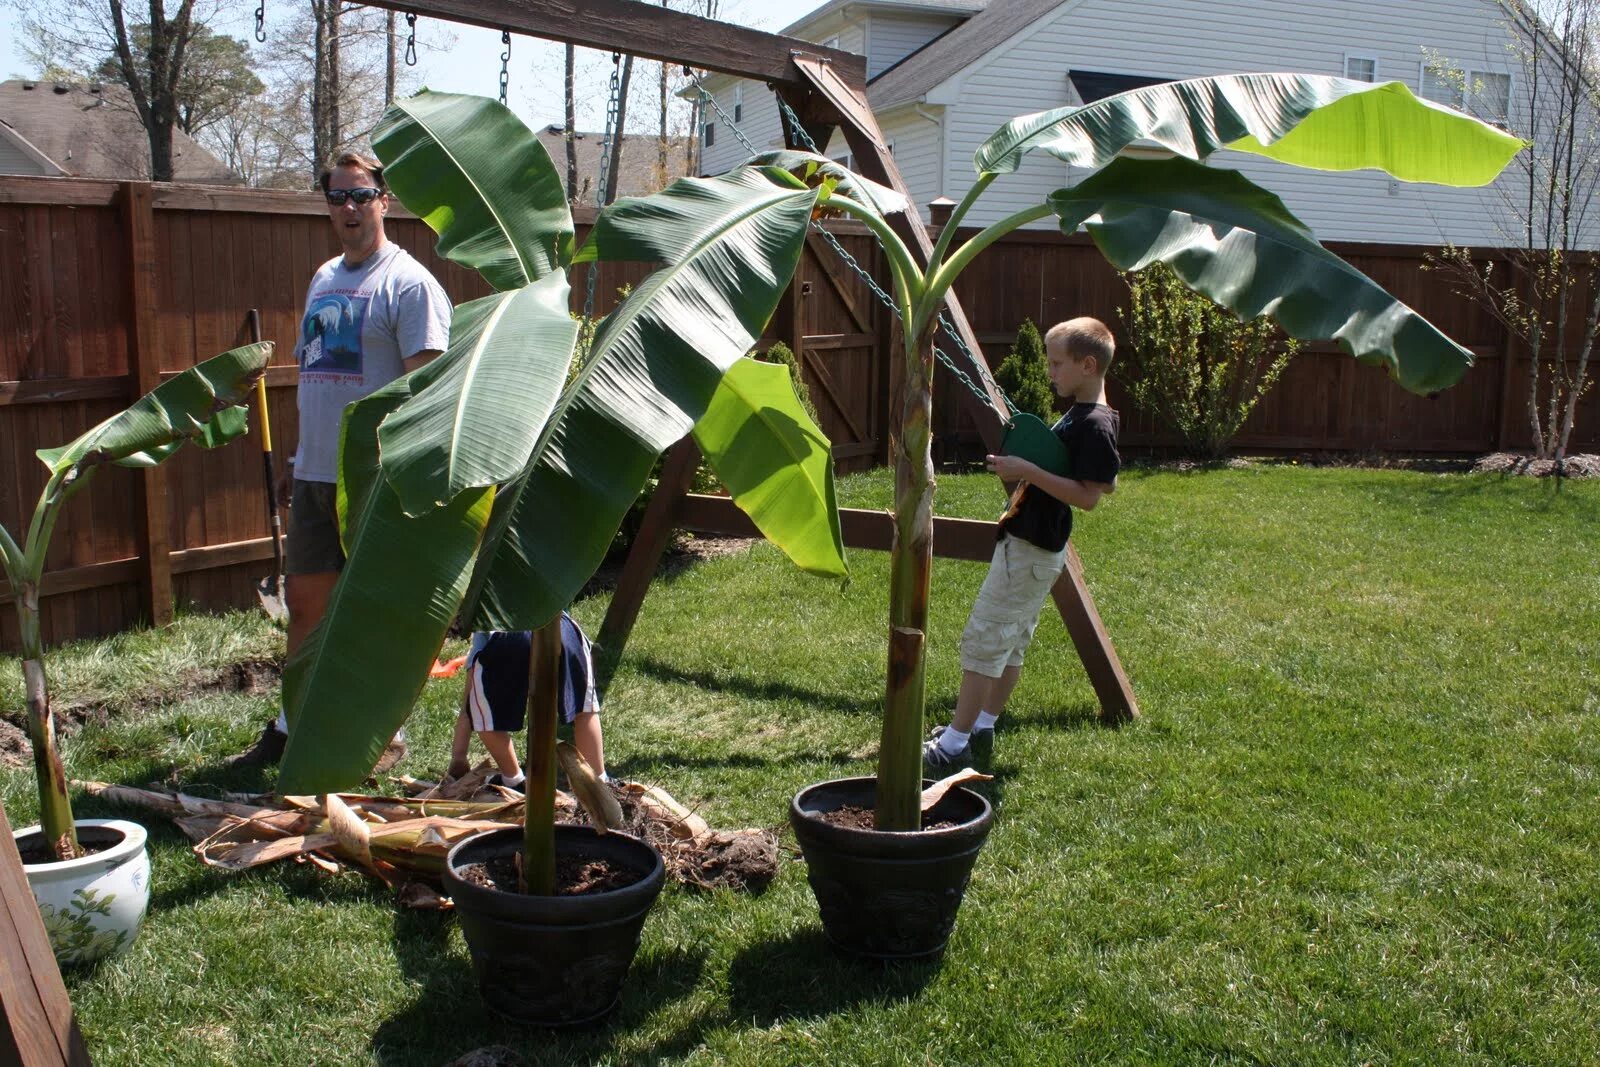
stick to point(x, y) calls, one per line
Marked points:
point(411, 38)
point(505, 65)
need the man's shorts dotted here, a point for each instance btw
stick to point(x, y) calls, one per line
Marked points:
point(314, 546)
point(1006, 613)
point(497, 677)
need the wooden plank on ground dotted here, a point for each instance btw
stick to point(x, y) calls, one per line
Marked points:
point(37, 1024)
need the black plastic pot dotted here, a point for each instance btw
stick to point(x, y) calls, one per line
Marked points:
point(888, 895)
point(557, 960)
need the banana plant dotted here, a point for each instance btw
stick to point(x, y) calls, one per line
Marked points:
point(490, 483)
point(206, 404)
point(1225, 236)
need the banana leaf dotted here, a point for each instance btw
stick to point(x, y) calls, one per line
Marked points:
point(776, 463)
point(482, 181)
point(811, 170)
point(1235, 242)
point(730, 245)
point(474, 421)
point(1305, 119)
point(204, 404)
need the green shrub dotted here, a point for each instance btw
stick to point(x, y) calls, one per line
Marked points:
point(1191, 364)
point(781, 353)
point(1024, 375)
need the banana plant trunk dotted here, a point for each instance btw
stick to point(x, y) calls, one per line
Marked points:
point(544, 697)
point(55, 807)
point(911, 568)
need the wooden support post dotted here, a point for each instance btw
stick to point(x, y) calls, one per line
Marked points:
point(1099, 656)
point(37, 1024)
point(144, 374)
point(644, 556)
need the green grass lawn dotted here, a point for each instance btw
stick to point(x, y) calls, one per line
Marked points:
point(1359, 821)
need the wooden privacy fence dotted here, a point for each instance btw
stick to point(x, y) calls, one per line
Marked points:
point(105, 287)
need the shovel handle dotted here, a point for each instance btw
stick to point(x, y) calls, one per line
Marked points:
point(273, 517)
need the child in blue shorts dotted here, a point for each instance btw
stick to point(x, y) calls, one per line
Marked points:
point(495, 704)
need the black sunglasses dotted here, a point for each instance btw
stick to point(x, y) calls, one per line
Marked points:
point(363, 194)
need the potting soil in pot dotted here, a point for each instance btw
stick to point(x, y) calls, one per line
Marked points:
point(852, 817)
point(575, 875)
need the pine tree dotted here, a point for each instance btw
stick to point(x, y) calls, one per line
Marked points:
point(1025, 376)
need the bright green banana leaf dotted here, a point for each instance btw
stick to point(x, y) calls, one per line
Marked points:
point(1235, 242)
point(475, 422)
point(353, 682)
point(482, 181)
point(204, 404)
point(730, 245)
point(776, 463)
point(1306, 119)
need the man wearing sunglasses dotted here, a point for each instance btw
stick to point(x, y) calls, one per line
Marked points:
point(372, 314)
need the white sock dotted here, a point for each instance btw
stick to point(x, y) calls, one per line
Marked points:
point(985, 721)
point(512, 783)
point(282, 724)
point(604, 777)
point(952, 741)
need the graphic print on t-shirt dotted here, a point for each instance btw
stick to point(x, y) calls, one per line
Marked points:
point(330, 337)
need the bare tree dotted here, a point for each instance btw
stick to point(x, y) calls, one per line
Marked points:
point(571, 134)
point(1546, 292)
point(149, 57)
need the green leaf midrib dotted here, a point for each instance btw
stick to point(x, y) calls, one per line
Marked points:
point(627, 314)
point(484, 336)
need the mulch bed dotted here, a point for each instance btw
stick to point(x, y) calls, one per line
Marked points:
point(1583, 465)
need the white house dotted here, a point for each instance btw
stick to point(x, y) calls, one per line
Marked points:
point(945, 74)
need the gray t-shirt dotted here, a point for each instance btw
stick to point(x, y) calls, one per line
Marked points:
point(360, 326)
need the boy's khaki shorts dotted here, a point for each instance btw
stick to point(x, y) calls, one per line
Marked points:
point(1007, 609)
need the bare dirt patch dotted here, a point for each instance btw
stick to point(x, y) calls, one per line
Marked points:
point(246, 676)
point(685, 551)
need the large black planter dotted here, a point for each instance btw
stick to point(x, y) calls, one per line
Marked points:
point(557, 960)
point(888, 895)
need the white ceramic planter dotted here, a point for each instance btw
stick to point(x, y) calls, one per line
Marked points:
point(93, 906)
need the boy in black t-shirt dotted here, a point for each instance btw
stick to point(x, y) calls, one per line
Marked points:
point(1032, 544)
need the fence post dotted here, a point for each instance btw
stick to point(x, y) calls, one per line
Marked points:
point(144, 374)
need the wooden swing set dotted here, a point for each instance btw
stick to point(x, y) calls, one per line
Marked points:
point(826, 89)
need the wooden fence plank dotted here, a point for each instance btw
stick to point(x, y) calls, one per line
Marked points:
point(145, 375)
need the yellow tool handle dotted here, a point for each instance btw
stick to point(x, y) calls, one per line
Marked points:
point(261, 402)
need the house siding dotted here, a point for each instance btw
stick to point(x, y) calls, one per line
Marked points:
point(1194, 38)
point(892, 37)
point(14, 161)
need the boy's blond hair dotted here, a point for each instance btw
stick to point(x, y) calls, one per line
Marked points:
point(1083, 337)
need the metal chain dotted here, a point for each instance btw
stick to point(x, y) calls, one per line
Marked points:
point(727, 120)
point(613, 111)
point(411, 38)
point(505, 65)
point(949, 364)
point(261, 22)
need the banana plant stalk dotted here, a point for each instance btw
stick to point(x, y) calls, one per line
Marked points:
point(544, 700)
point(203, 404)
point(1226, 237)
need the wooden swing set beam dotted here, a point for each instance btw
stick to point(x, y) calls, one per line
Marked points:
point(646, 31)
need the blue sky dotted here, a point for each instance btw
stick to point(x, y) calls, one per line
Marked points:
point(472, 64)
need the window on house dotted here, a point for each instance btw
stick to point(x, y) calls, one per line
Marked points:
point(831, 42)
point(1484, 93)
point(844, 161)
point(1361, 68)
point(738, 103)
point(1443, 86)
point(710, 137)
point(1490, 96)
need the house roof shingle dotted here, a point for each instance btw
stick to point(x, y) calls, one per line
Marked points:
point(638, 162)
point(94, 132)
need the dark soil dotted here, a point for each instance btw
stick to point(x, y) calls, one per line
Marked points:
point(722, 859)
point(247, 676)
point(576, 876)
point(35, 849)
point(853, 818)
